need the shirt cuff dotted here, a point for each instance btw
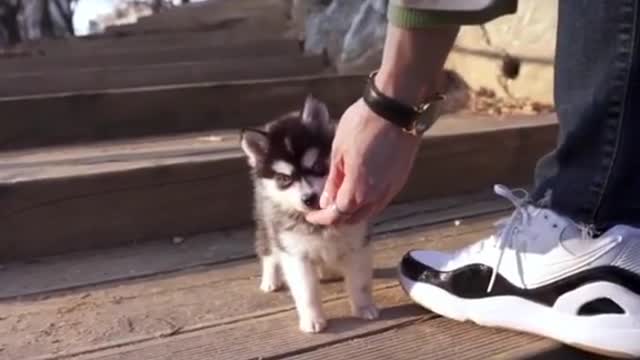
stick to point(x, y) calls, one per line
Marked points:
point(406, 17)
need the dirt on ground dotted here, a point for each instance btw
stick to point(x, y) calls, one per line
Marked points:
point(461, 98)
point(486, 101)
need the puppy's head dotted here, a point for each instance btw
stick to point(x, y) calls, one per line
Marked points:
point(290, 156)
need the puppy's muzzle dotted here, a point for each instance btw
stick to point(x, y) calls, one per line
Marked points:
point(312, 201)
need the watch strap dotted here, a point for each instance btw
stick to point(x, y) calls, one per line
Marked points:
point(392, 110)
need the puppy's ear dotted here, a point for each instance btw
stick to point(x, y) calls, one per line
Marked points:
point(315, 114)
point(255, 145)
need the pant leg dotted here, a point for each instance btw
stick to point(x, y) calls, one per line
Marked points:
point(593, 175)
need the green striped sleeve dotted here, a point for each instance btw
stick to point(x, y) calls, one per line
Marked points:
point(407, 17)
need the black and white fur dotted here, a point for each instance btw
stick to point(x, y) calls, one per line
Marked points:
point(289, 160)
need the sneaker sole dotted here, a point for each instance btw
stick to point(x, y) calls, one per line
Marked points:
point(540, 320)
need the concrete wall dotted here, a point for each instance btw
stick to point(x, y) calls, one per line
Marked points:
point(352, 33)
point(529, 35)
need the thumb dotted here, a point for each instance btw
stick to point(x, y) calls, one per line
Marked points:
point(331, 186)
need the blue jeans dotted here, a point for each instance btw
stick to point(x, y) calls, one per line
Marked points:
point(593, 175)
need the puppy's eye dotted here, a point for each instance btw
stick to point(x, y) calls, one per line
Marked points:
point(283, 180)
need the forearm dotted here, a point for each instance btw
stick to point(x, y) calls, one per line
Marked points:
point(412, 61)
point(420, 35)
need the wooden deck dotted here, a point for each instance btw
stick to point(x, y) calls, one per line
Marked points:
point(199, 299)
point(144, 147)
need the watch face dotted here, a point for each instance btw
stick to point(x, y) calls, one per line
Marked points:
point(421, 126)
point(426, 119)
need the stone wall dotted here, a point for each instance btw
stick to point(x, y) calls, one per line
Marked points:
point(512, 55)
point(524, 42)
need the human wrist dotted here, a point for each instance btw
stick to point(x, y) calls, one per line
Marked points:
point(404, 87)
point(413, 61)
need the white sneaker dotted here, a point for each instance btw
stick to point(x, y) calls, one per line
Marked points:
point(543, 274)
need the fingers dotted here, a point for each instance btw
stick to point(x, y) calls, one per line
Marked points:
point(337, 202)
point(331, 186)
point(330, 216)
point(326, 216)
point(334, 179)
point(351, 210)
point(345, 198)
point(371, 209)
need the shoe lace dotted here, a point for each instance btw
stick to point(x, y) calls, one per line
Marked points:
point(510, 226)
point(587, 231)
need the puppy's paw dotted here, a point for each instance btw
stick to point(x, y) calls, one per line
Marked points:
point(367, 312)
point(268, 285)
point(312, 324)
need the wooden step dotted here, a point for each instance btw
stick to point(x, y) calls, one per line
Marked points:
point(32, 121)
point(227, 34)
point(200, 300)
point(239, 26)
point(58, 274)
point(96, 79)
point(250, 15)
point(65, 199)
point(222, 8)
point(171, 53)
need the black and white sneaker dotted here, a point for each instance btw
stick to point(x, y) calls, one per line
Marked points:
point(540, 273)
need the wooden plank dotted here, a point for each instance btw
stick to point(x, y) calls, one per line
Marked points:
point(90, 319)
point(108, 209)
point(122, 155)
point(437, 339)
point(207, 15)
point(271, 15)
point(222, 8)
point(230, 34)
point(32, 121)
point(77, 270)
point(506, 154)
point(238, 26)
point(543, 349)
point(111, 201)
point(270, 336)
point(92, 79)
point(76, 160)
point(146, 56)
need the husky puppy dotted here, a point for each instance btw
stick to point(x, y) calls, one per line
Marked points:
point(289, 160)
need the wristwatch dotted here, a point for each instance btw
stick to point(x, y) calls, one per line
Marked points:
point(412, 119)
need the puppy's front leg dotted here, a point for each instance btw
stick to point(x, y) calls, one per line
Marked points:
point(303, 284)
point(358, 271)
point(271, 278)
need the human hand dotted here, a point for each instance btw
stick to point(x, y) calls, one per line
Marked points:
point(370, 163)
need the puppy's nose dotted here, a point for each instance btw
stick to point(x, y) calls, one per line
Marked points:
point(311, 201)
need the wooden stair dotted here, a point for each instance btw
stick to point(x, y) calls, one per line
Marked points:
point(132, 136)
point(124, 86)
point(83, 117)
point(168, 74)
point(186, 50)
point(100, 195)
